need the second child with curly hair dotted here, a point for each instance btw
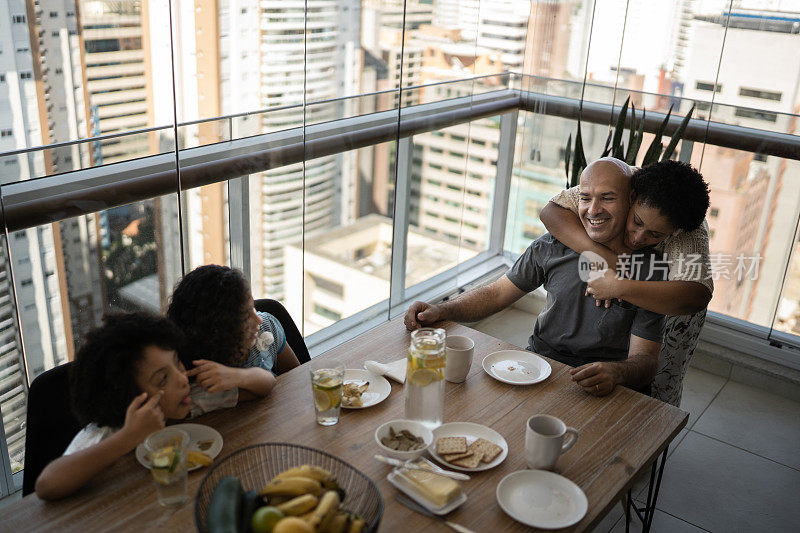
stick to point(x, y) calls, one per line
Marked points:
point(232, 350)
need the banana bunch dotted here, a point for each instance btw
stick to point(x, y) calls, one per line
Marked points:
point(311, 494)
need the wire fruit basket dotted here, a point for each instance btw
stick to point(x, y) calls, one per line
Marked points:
point(256, 465)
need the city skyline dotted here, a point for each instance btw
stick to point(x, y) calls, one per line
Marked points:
point(76, 69)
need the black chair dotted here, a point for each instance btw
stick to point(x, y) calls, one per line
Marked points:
point(293, 336)
point(50, 424)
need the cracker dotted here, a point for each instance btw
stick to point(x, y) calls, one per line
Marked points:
point(449, 457)
point(448, 445)
point(469, 462)
point(490, 450)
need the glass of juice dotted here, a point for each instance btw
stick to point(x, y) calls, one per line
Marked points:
point(425, 377)
point(168, 450)
point(326, 384)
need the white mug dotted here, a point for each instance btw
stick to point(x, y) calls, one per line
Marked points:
point(459, 351)
point(544, 441)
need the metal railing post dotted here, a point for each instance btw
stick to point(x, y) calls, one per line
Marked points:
point(502, 183)
point(397, 284)
point(239, 223)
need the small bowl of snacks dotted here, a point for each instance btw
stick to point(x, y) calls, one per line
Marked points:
point(403, 439)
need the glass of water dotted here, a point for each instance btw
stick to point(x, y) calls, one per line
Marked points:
point(326, 384)
point(168, 450)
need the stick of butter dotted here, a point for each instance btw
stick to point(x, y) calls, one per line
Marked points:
point(439, 490)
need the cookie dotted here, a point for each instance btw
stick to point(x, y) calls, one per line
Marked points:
point(490, 450)
point(450, 457)
point(468, 462)
point(449, 445)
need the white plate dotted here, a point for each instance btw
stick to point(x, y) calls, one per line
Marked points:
point(516, 367)
point(197, 433)
point(378, 390)
point(472, 432)
point(542, 499)
point(401, 483)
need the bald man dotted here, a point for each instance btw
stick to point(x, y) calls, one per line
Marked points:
point(606, 346)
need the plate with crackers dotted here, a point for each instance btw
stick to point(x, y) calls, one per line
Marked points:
point(468, 447)
point(363, 389)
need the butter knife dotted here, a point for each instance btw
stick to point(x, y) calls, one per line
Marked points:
point(411, 466)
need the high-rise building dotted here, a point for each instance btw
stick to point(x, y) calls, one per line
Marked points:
point(459, 14)
point(36, 97)
point(751, 198)
point(300, 200)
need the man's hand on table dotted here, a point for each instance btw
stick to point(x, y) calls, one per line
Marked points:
point(420, 314)
point(598, 379)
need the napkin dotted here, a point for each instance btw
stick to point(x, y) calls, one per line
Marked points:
point(395, 371)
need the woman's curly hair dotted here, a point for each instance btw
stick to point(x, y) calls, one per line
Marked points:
point(102, 379)
point(674, 188)
point(209, 305)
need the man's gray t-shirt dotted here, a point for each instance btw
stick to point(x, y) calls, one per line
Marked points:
point(571, 328)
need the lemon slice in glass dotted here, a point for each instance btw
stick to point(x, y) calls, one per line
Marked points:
point(322, 399)
point(424, 377)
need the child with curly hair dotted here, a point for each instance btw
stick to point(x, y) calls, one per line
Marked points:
point(126, 382)
point(232, 350)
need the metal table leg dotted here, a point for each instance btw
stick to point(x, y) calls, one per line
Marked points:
point(649, 509)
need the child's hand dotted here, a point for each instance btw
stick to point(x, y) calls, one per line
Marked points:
point(143, 417)
point(215, 377)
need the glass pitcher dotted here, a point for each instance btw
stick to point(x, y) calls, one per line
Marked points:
point(425, 377)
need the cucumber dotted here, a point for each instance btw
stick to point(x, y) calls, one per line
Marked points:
point(250, 502)
point(224, 511)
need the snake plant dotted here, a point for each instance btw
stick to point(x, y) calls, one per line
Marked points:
point(575, 159)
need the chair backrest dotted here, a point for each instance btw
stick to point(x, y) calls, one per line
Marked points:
point(50, 424)
point(293, 336)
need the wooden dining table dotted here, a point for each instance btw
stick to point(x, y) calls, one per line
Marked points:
point(621, 435)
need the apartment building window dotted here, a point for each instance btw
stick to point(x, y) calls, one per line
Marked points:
point(59, 70)
point(23, 49)
point(27, 75)
point(758, 115)
point(2, 78)
point(326, 285)
point(327, 313)
point(707, 86)
point(70, 13)
point(713, 212)
point(758, 93)
point(18, 19)
point(53, 14)
point(6, 133)
point(54, 34)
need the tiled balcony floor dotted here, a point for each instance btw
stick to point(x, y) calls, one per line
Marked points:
point(736, 466)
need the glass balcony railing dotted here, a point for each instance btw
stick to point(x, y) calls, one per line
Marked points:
point(348, 209)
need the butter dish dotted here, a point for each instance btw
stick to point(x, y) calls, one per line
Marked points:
point(397, 478)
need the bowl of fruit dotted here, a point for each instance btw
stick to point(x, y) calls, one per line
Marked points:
point(286, 488)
